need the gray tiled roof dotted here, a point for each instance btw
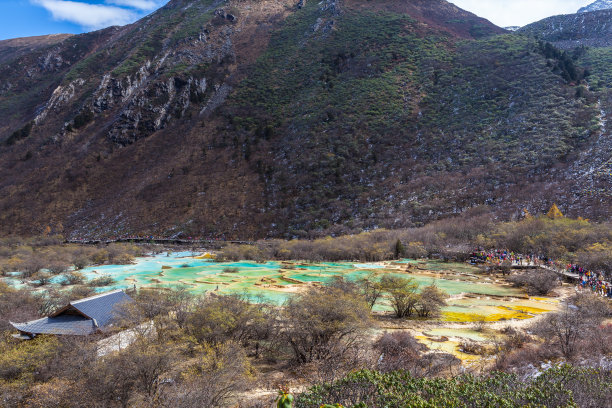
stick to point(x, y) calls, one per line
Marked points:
point(102, 307)
point(98, 311)
point(65, 324)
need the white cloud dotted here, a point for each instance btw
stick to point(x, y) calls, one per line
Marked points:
point(144, 5)
point(506, 13)
point(90, 16)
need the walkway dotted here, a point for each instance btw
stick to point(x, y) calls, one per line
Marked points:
point(564, 273)
point(175, 241)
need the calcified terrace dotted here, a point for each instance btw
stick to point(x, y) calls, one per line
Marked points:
point(473, 296)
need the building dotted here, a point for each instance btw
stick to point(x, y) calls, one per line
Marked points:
point(79, 318)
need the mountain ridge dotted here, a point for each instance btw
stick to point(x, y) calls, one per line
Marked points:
point(591, 29)
point(597, 5)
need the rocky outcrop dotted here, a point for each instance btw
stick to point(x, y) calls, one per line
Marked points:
point(60, 97)
point(163, 88)
point(151, 108)
point(150, 98)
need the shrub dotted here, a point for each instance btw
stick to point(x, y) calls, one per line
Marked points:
point(213, 379)
point(398, 351)
point(58, 267)
point(101, 281)
point(99, 257)
point(25, 359)
point(403, 292)
point(16, 305)
point(41, 279)
point(83, 118)
point(22, 133)
point(537, 282)
point(241, 252)
point(431, 300)
point(217, 319)
point(72, 278)
point(32, 265)
point(473, 347)
point(597, 257)
point(81, 262)
point(564, 386)
point(323, 323)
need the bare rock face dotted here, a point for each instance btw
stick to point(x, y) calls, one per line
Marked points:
point(144, 100)
point(150, 109)
point(60, 97)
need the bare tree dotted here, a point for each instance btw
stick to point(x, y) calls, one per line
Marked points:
point(538, 282)
point(431, 301)
point(214, 380)
point(563, 329)
point(133, 374)
point(371, 289)
point(323, 323)
point(404, 296)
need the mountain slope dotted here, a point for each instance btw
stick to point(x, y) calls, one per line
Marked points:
point(16, 47)
point(591, 29)
point(587, 38)
point(250, 119)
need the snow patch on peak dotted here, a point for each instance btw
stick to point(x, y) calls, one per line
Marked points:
point(597, 5)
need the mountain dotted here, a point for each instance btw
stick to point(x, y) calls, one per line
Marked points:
point(597, 5)
point(591, 29)
point(13, 48)
point(242, 119)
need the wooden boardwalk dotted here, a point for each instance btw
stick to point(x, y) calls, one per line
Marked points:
point(565, 274)
point(208, 243)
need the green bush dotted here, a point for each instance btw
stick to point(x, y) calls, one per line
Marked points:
point(20, 134)
point(564, 386)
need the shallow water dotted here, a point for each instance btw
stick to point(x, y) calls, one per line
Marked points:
point(463, 333)
point(275, 281)
point(202, 274)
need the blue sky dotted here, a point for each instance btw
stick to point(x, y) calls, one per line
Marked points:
point(24, 18)
point(21, 18)
point(506, 13)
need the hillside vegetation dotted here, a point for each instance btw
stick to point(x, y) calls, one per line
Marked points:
point(252, 119)
point(563, 239)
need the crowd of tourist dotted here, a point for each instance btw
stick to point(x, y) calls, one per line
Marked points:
point(503, 257)
point(587, 279)
point(591, 280)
